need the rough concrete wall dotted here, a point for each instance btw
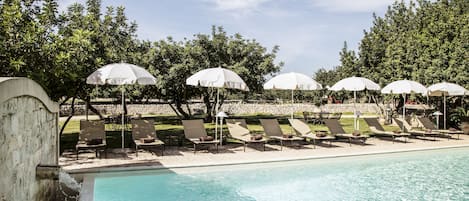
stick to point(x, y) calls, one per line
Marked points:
point(233, 108)
point(28, 137)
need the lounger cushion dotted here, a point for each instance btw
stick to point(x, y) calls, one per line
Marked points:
point(321, 134)
point(206, 138)
point(94, 142)
point(256, 137)
point(147, 140)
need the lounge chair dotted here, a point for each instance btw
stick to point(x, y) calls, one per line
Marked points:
point(408, 129)
point(378, 130)
point(194, 131)
point(302, 129)
point(144, 135)
point(273, 131)
point(336, 129)
point(92, 136)
point(239, 130)
point(428, 124)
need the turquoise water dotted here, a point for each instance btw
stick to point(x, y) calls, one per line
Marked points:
point(426, 175)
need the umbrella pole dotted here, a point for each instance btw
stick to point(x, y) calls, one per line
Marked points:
point(122, 118)
point(292, 104)
point(86, 111)
point(444, 109)
point(403, 107)
point(216, 117)
point(355, 110)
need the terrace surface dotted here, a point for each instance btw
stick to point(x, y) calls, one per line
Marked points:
point(233, 154)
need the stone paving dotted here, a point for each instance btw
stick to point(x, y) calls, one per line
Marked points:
point(233, 153)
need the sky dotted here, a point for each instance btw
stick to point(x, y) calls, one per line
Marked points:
point(310, 33)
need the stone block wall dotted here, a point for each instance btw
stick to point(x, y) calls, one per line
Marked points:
point(28, 138)
point(232, 108)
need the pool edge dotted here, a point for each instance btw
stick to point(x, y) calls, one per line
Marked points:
point(91, 171)
point(87, 191)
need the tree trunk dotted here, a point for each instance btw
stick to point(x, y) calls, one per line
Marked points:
point(65, 100)
point(188, 108)
point(69, 117)
point(208, 106)
point(175, 110)
point(93, 109)
point(181, 110)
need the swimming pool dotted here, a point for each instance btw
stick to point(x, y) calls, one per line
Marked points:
point(423, 175)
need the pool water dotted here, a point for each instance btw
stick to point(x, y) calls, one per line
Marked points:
point(425, 175)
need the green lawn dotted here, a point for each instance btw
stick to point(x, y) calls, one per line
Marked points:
point(172, 126)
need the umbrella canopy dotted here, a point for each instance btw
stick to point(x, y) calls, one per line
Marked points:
point(217, 78)
point(446, 89)
point(121, 74)
point(404, 87)
point(355, 84)
point(292, 81)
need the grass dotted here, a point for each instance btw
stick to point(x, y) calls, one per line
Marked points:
point(167, 126)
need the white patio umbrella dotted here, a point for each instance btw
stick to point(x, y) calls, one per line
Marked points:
point(404, 87)
point(217, 78)
point(446, 89)
point(355, 84)
point(292, 81)
point(121, 74)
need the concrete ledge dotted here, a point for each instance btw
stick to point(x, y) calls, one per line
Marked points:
point(11, 87)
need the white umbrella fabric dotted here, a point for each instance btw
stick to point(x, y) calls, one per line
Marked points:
point(217, 78)
point(292, 81)
point(355, 84)
point(446, 89)
point(404, 87)
point(121, 74)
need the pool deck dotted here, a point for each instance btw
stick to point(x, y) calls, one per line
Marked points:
point(177, 157)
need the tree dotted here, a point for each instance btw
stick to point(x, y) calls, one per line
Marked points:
point(173, 62)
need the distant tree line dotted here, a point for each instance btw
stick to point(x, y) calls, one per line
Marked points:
point(424, 41)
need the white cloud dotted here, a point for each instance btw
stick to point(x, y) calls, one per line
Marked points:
point(351, 5)
point(237, 5)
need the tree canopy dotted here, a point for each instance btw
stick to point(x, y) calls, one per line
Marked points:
point(59, 50)
point(425, 41)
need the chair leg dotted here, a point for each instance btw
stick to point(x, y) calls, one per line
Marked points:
point(195, 148)
point(136, 150)
point(77, 151)
point(264, 146)
point(162, 151)
point(216, 146)
point(281, 145)
point(244, 146)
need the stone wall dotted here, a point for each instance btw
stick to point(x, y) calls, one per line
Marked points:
point(28, 138)
point(233, 108)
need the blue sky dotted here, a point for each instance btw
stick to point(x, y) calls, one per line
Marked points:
point(310, 33)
